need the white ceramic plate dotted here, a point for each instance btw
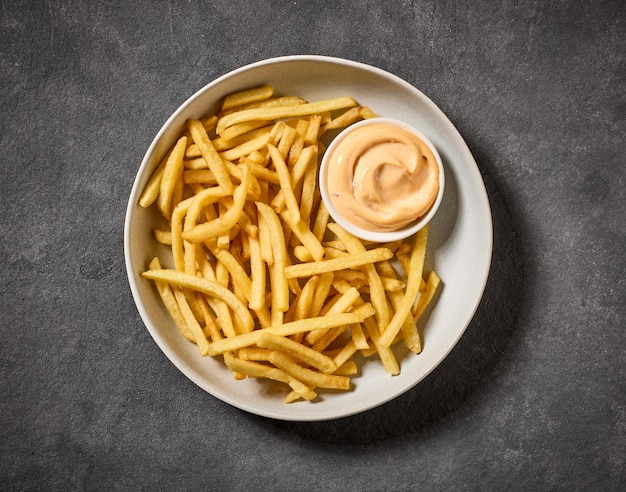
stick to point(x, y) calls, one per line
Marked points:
point(459, 247)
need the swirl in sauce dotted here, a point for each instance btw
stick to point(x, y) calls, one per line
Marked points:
point(382, 177)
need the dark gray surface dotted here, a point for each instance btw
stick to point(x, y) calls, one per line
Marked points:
point(534, 395)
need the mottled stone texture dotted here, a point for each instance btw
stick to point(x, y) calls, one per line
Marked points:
point(534, 395)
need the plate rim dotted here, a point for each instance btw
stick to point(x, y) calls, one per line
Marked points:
point(183, 366)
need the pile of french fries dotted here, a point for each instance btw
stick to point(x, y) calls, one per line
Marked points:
point(259, 273)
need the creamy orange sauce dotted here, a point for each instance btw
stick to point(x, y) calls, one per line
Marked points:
point(382, 177)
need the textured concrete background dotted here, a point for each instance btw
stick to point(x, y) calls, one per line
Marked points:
point(534, 395)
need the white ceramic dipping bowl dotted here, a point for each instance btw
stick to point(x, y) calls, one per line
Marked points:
point(345, 222)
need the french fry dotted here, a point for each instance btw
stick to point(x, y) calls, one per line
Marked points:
point(235, 133)
point(247, 96)
point(377, 291)
point(151, 189)
point(164, 237)
point(410, 335)
point(302, 164)
point(285, 111)
point(416, 265)
point(220, 308)
point(298, 144)
point(285, 183)
point(344, 302)
point(271, 102)
point(214, 289)
point(210, 155)
point(321, 292)
point(309, 188)
point(360, 259)
point(258, 277)
point(171, 304)
point(177, 233)
point(245, 148)
point(278, 279)
point(343, 120)
point(299, 351)
point(307, 376)
point(321, 221)
point(388, 359)
point(214, 228)
point(312, 132)
point(198, 335)
point(286, 329)
point(424, 299)
point(256, 370)
point(171, 175)
point(306, 237)
point(223, 145)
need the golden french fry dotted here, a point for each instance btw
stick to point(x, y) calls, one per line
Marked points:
point(199, 176)
point(348, 368)
point(413, 282)
point(285, 111)
point(360, 259)
point(298, 171)
point(170, 303)
point(306, 237)
point(164, 237)
point(265, 239)
point(236, 132)
point(222, 145)
point(345, 119)
point(298, 143)
point(358, 337)
point(210, 155)
point(410, 335)
point(192, 322)
point(344, 302)
point(258, 277)
point(309, 187)
point(176, 224)
point(280, 286)
point(346, 352)
point(247, 96)
point(245, 148)
point(304, 302)
point(388, 359)
point(321, 292)
point(153, 186)
point(392, 284)
point(210, 325)
point(377, 291)
point(214, 289)
point(313, 130)
point(286, 329)
point(272, 102)
point(367, 113)
point(321, 221)
point(171, 175)
point(241, 281)
point(425, 297)
point(287, 138)
point(254, 353)
point(221, 225)
point(221, 309)
point(285, 183)
point(299, 351)
point(307, 376)
point(256, 370)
